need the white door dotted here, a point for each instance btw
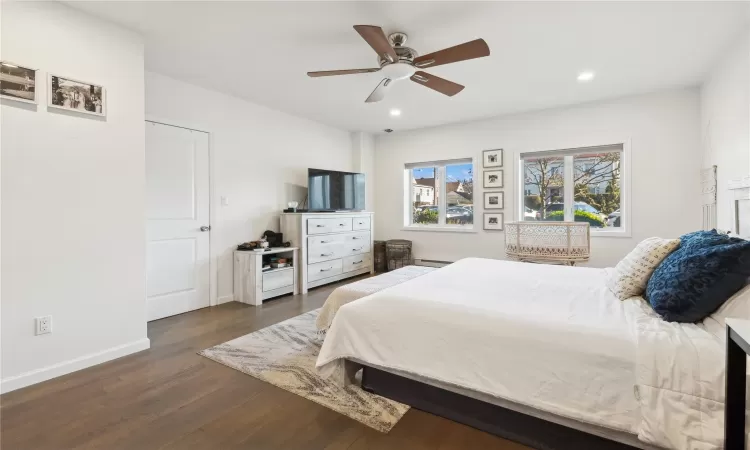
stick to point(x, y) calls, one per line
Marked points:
point(177, 220)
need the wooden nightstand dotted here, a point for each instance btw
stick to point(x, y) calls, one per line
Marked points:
point(738, 348)
point(252, 284)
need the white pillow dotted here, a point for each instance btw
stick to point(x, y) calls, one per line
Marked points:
point(630, 276)
point(738, 306)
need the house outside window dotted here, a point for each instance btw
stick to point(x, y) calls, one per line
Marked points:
point(439, 195)
point(584, 184)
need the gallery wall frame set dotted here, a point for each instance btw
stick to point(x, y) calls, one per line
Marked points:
point(494, 221)
point(492, 158)
point(19, 83)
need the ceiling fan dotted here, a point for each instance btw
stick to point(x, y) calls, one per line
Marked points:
point(398, 62)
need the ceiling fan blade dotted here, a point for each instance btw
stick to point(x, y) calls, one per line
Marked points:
point(328, 73)
point(377, 40)
point(469, 50)
point(380, 91)
point(441, 85)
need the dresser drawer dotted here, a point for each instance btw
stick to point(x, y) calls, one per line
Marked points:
point(361, 223)
point(356, 262)
point(355, 248)
point(278, 279)
point(357, 237)
point(326, 252)
point(323, 270)
point(325, 241)
point(332, 225)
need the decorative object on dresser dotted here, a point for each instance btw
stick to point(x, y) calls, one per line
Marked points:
point(256, 280)
point(550, 242)
point(333, 246)
point(492, 158)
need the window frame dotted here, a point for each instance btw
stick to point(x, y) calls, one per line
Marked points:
point(438, 191)
point(625, 230)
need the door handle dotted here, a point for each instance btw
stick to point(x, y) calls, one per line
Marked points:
point(205, 228)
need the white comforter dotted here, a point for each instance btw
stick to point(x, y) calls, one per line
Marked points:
point(550, 337)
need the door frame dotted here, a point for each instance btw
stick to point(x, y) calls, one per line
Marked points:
point(213, 258)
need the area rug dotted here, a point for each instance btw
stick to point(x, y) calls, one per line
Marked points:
point(284, 355)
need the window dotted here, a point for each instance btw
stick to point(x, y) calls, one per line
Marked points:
point(440, 194)
point(582, 184)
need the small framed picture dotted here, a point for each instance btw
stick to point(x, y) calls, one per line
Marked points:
point(492, 158)
point(493, 179)
point(17, 82)
point(494, 200)
point(75, 95)
point(493, 221)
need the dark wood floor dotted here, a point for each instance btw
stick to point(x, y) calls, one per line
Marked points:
point(168, 397)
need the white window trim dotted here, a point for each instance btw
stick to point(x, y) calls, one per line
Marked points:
point(440, 192)
point(625, 230)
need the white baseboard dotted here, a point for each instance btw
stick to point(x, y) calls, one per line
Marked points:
point(73, 365)
point(225, 299)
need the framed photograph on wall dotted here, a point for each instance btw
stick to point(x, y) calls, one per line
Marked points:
point(17, 82)
point(74, 95)
point(494, 200)
point(493, 179)
point(492, 158)
point(493, 221)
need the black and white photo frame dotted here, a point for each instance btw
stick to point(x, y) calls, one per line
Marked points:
point(494, 221)
point(492, 158)
point(75, 95)
point(494, 200)
point(493, 179)
point(18, 83)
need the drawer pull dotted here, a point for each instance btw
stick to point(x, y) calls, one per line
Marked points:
point(326, 270)
point(320, 226)
point(326, 254)
point(357, 249)
point(358, 262)
point(341, 225)
point(355, 238)
point(325, 242)
point(360, 223)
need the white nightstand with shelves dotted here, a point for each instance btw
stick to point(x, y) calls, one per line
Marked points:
point(252, 284)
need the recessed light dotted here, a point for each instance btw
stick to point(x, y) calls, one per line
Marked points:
point(586, 76)
point(395, 112)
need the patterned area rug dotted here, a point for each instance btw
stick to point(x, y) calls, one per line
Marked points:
point(284, 355)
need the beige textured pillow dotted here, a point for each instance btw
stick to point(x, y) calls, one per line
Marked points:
point(630, 276)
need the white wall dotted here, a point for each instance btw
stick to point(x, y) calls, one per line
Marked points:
point(725, 123)
point(363, 160)
point(72, 199)
point(260, 159)
point(662, 129)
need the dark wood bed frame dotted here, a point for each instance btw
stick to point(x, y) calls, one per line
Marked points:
point(512, 425)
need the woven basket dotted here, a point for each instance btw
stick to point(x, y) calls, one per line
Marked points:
point(381, 264)
point(398, 253)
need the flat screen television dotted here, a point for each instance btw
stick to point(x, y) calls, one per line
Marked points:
point(330, 190)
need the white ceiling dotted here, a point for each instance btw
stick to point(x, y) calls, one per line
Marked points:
point(261, 51)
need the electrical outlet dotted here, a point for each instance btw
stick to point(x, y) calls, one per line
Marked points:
point(43, 325)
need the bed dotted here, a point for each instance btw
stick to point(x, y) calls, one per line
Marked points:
point(547, 341)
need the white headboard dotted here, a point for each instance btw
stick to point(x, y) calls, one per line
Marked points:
point(741, 205)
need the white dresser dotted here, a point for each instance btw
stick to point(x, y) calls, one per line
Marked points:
point(333, 246)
